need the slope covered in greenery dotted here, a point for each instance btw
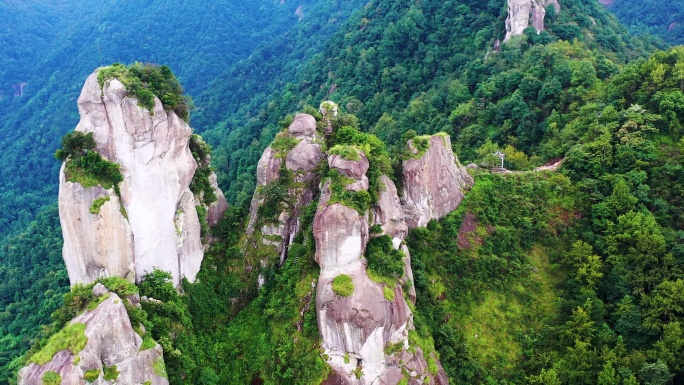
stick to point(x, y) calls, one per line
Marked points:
point(563, 278)
point(664, 19)
point(398, 66)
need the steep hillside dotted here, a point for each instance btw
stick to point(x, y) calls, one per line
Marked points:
point(556, 277)
point(398, 66)
point(659, 18)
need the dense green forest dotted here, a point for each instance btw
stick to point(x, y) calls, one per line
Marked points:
point(659, 18)
point(572, 277)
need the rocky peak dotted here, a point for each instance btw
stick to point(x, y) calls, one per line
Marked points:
point(525, 13)
point(100, 338)
point(434, 182)
point(301, 149)
point(151, 220)
point(359, 325)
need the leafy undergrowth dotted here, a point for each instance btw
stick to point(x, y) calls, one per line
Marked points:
point(223, 331)
point(489, 301)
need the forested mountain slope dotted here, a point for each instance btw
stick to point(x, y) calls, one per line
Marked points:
point(66, 51)
point(659, 18)
point(572, 277)
point(413, 66)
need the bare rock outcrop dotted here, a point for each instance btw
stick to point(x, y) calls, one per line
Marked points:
point(525, 13)
point(111, 341)
point(358, 328)
point(390, 215)
point(300, 161)
point(434, 183)
point(153, 222)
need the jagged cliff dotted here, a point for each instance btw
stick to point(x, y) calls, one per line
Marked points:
point(286, 169)
point(151, 220)
point(366, 323)
point(100, 347)
point(525, 13)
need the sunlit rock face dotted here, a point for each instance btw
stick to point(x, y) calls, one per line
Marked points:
point(525, 13)
point(153, 222)
point(358, 328)
point(434, 184)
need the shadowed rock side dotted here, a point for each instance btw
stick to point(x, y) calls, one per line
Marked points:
point(300, 181)
point(154, 223)
point(357, 328)
point(390, 215)
point(434, 184)
point(111, 341)
point(525, 13)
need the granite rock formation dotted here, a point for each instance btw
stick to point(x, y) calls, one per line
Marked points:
point(434, 183)
point(153, 221)
point(525, 13)
point(111, 342)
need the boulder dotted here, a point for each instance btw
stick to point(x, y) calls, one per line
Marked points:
point(268, 167)
point(303, 125)
point(304, 158)
point(355, 169)
point(111, 341)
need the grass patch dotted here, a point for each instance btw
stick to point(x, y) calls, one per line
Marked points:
point(97, 204)
point(389, 293)
point(51, 378)
point(160, 368)
point(110, 373)
point(394, 348)
point(92, 375)
point(71, 338)
point(342, 285)
point(491, 329)
point(359, 201)
point(283, 144)
point(346, 152)
point(387, 281)
point(148, 342)
point(95, 303)
point(91, 170)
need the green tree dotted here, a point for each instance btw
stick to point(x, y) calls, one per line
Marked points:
point(607, 376)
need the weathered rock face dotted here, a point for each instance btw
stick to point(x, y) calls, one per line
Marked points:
point(357, 329)
point(434, 184)
point(523, 13)
point(111, 341)
point(390, 215)
point(329, 110)
point(301, 161)
point(140, 231)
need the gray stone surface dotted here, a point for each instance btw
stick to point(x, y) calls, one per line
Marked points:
point(434, 184)
point(525, 13)
point(111, 341)
point(157, 166)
